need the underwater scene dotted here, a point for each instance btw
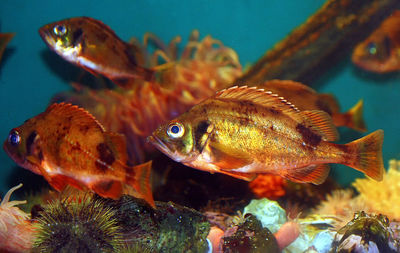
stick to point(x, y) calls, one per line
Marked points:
point(200, 126)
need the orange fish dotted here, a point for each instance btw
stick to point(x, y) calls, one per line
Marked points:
point(380, 52)
point(92, 45)
point(68, 146)
point(305, 98)
point(244, 131)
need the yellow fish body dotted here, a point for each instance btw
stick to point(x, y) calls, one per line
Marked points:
point(244, 131)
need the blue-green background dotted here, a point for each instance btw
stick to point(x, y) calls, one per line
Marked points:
point(27, 82)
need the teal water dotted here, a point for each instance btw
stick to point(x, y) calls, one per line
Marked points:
point(28, 80)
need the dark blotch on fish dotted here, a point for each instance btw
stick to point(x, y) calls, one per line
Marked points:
point(77, 36)
point(274, 111)
point(105, 155)
point(198, 134)
point(309, 137)
point(29, 142)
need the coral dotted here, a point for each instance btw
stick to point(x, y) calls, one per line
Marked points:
point(375, 197)
point(366, 233)
point(340, 204)
point(16, 231)
point(77, 225)
point(268, 186)
point(378, 197)
point(250, 236)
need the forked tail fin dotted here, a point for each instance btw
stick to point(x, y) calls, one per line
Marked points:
point(139, 178)
point(353, 118)
point(368, 155)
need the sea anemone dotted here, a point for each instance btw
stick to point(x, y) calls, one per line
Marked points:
point(381, 197)
point(16, 231)
point(268, 186)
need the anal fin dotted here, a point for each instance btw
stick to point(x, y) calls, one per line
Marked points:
point(316, 174)
point(240, 175)
point(107, 188)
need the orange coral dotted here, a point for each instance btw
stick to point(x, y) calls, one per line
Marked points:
point(204, 67)
point(268, 186)
point(16, 231)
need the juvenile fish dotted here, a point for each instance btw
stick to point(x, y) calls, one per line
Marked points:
point(68, 146)
point(245, 131)
point(380, 52)
point(305, 98)
point(93, 46)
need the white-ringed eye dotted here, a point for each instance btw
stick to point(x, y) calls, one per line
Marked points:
point(59, 30)
point(14, 138)
point(175, 130)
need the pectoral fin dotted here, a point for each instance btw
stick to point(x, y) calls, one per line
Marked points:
point(240, 175)
point(227, 158)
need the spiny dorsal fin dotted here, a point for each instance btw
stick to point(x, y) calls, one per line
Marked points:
point(75, 114)
point(260, 97)
point(321, 123)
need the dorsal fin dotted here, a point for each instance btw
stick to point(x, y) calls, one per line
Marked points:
point(75, 114)
point(321, 123)
point(287, 85)
point(260, 97)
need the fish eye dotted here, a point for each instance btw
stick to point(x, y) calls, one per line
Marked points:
point(175, 130)
point(13, 138)
point(59, 30)
point(371, 48)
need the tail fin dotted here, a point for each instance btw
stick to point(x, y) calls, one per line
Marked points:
point(352, 118)
point(368, 155)
point(139, 178)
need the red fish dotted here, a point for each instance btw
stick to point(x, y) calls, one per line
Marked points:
point(92, 45)
point(68, 146)
point(380, 52)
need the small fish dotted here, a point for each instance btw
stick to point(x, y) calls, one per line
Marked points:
point(68, 146)
point(244, 131)
point(4, 40)
point(380, 52)
point(93, 46)
point(305, 98)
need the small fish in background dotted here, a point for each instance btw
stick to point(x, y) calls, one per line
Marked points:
point(68, 146)
point(4, 40)
point(305, 98)
point(380, 52)
point(93, 46)
point(244, 131)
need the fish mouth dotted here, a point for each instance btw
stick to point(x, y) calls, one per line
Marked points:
point(46, 37)
point(165, 149)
